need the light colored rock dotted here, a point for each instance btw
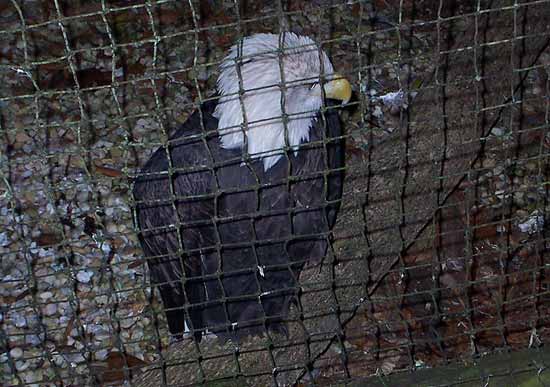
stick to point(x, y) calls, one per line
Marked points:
point(84, 276)
point(16, 353)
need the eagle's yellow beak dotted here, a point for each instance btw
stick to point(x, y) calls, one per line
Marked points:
point(338, 88)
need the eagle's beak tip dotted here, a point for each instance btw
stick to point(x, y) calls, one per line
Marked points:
point(338, 88)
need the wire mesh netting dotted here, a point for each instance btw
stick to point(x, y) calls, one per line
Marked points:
point(400, 239)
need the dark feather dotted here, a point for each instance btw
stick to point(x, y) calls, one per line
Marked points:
point(225, 240)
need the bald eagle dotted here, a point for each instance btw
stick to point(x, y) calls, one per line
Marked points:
point(246, 191)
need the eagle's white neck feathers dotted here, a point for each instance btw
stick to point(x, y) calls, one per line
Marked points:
point(260, 59)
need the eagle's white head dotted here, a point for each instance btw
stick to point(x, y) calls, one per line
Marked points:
point(266, 77)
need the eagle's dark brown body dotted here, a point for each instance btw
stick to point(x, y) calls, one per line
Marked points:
point(225, 240)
